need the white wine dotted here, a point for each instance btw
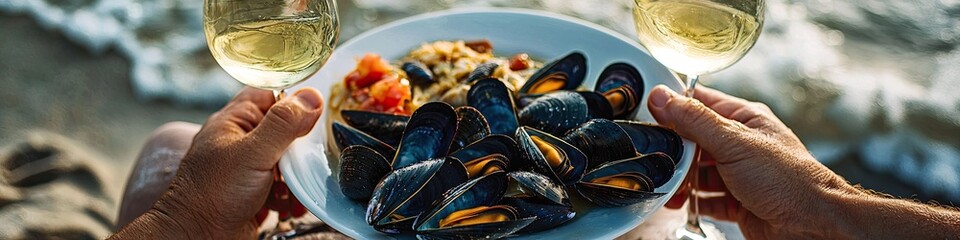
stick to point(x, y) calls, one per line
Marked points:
point(695, 37)
point(273, 53)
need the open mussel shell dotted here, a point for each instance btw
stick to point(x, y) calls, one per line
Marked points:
point(626, 182)
point(361, 169)
point(555, 112)
point(602, 141)
point(346, 136)
point(428, 134)
point(418, 73)
point(649, 138)
point(622, 85)
point(470, 211)
point(471, 127)
point(494, 101)
point(482, 71)
point(385, 127)
point(406, 192)
point(535, 195)
point(566, 73)
point(485, 165)
point(548, 155)
point(489, 145)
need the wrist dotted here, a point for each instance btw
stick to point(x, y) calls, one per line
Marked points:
point(154, 224)
point(181, 210)
point(834, 217)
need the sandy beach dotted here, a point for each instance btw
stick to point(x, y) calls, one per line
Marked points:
point(58, 95)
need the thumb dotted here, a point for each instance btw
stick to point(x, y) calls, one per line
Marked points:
point(695, 121)
point(288, 119)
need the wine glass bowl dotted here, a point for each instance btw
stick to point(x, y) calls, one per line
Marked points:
point(271, 44)
point(697, 37)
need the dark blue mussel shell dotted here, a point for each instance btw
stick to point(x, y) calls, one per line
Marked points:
point(346, 136)
point(566, 73)
point(361, 169)
point(385, 127)
point(647, 172)
point(485, 191)
point(428, 134)
point(495, 102)
point(406, 192)
point(649, 138)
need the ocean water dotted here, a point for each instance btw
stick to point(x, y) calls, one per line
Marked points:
point(874, 81)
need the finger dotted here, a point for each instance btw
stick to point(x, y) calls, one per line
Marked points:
point(695, 121)
point(263, 99)
point(292, 117)
point(243, 115)
point(710, 96)
point(725, 208)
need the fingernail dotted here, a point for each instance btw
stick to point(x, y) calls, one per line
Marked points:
point(309, 99)
point(660, 95)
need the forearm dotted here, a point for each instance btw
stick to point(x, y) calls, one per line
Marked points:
point(169, 219)
point(153, 224)
point(868, 216)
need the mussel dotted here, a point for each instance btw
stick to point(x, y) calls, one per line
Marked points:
point(602, 141)
point(566, 73)
point(385, 127)
point(470, 211)
point(489, 145)
point(625, 182)
point(535, 195)
point(548, 155)
point(485, 165)
point(346, 136)
point(428, 134)
point(555, 112)
point(361, 168)
point(622, 85)
point(471, 127)
point(418, 73)
point(649, 138)
point(495, 102)
point(482, 71)
point(408, 191)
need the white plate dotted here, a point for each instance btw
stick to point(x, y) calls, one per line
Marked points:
point(542, 35)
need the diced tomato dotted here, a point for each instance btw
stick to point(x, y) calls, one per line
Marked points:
point(519, 62)
point(389, 95)
point(481, 46)
point(370, 69)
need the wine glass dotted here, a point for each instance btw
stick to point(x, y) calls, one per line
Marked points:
point(272, 45)
point(693, 38)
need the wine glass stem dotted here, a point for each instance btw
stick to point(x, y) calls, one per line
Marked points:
point(693, 210)
point(278, 94)
point(691, 85)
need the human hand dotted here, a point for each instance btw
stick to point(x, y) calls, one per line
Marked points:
point(225, 178)
point(772, 184)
